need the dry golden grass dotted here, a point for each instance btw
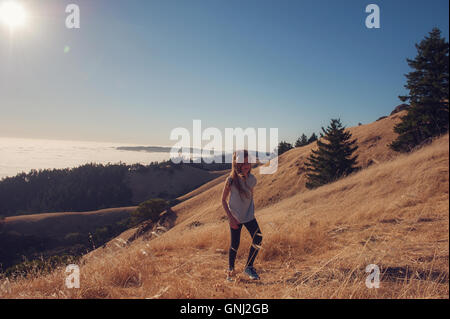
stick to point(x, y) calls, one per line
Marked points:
point(316, 244)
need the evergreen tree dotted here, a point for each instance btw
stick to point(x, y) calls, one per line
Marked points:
point(313, 138)
point(283, 147)
point(334, 158)
point(428, 94)
point(302, 141)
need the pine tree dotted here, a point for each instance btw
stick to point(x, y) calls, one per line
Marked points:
point(334, 157)
point(313, 138)
point(283, 147)
point(301, 141)
point(428, 94)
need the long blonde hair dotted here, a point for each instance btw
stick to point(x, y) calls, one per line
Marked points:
point(236, 173)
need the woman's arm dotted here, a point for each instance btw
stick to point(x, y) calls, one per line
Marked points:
point(226, 191)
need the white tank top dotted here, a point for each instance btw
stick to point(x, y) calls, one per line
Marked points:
point(242, 208)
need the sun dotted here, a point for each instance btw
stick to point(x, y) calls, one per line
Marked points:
point(12, 14)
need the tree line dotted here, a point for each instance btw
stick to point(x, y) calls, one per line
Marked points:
point(87, 187)
point(303, 140)
point(83, 188)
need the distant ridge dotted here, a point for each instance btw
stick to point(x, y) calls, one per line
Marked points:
point(194, 151)
point(150, 149)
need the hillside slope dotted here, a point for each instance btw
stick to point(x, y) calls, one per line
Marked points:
point(290, 177)
point(60, 224)
point(316, 243)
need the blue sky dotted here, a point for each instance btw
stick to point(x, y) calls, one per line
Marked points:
point(136, 69)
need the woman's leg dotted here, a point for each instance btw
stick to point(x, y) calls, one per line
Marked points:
point(255, 232)
point(235, 239)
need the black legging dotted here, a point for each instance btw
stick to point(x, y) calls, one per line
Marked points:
point(255, 233)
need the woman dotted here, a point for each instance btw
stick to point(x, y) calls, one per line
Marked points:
point(241, 211)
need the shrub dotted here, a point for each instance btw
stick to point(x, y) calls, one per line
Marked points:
point(148, 210)
point(40, 266)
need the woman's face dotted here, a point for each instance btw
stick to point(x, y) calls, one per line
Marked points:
point(244, 167)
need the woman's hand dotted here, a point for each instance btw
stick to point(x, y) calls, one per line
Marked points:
point(233, 222)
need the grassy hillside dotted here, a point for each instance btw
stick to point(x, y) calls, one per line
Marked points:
point(316, 243)
point(290, 178)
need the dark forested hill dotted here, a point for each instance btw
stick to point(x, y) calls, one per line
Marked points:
point(97, 186)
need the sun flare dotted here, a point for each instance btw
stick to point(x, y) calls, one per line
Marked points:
point(12, 14)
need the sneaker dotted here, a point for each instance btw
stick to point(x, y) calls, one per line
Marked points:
point(251, 272)
point(230, 274)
